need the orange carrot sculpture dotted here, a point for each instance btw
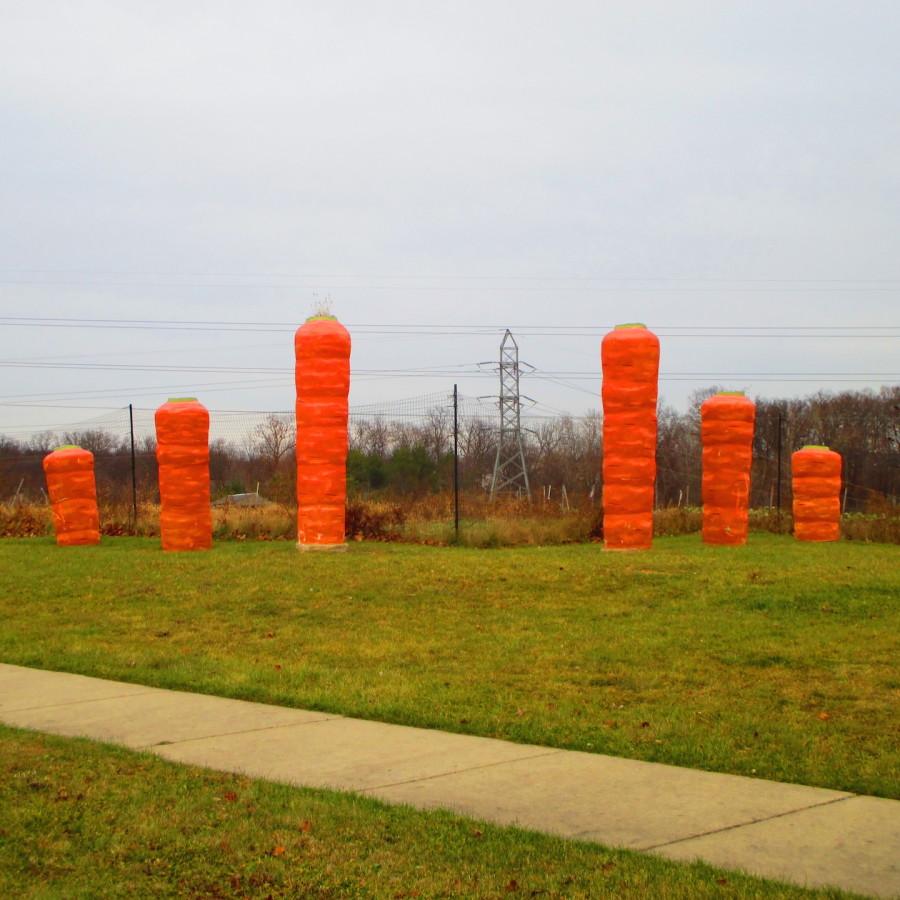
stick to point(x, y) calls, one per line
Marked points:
point(73, 495)
point(816, 482)
point(727, 420)
point(182, 451)
point(322, 350)
point(630, 358)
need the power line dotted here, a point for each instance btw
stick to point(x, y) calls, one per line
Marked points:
point(454, 276)
point(131, 353)
point(478, 328)
point(573, 387)
point(256, 370)
point(149, 387)
point(596, 285)
point(765, 332)
point(452, 368)
point(712, 378)
point(266, 383)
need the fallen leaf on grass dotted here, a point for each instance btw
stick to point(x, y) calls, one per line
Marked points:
point(278, 850)
point(230, 796)
point(824, 716)
point(306, 825)
point(512, 886)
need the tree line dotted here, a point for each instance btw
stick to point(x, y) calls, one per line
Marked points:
point(415, 457)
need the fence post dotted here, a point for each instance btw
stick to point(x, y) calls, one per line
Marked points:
point(456, 461)
point(778, 482)
point(133, 470)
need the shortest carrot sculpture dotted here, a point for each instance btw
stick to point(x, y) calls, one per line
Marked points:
point(816, 482)
point(73, 495)
point(182, 451)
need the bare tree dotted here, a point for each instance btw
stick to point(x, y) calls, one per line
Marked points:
point(438, 431)
point(370, 436)
point(272, 440)
point(96, 440)
point(43, 442)
point(477, 444)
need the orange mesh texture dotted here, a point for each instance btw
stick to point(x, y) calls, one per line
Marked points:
point(322, 351)
point(816, 482)
point(182, 451)
point(727, 421)
point(630, 359)
point(73, 496)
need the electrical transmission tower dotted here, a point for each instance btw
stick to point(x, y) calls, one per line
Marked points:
point(510, 473)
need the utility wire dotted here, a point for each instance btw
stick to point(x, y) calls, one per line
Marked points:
point(420, 370)
point(455, 276)
point(489, 331)
point(595, 286)
point(379, 328)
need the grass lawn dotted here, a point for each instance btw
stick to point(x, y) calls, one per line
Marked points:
point(87, 820)
point(778, 659)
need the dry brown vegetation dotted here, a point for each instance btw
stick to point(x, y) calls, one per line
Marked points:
point(429, 520)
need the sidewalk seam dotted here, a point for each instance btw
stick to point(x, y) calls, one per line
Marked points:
point(326, 717)
point(77, 702)
point(491, 765)
point(780, 815)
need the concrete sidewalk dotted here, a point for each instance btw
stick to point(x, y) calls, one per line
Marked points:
point(809, 836)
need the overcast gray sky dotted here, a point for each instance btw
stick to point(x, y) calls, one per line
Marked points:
point(689, 164)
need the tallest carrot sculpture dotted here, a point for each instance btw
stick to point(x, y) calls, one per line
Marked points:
point(630, 358)
point(322, 351)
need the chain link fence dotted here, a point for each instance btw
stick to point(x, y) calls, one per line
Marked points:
point(403, 452)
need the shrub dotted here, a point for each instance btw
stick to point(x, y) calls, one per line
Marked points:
point(767, 518)
point(373, 520)
point(867, 527)
point(677, 520)
point(24, 520)
point(272, 522)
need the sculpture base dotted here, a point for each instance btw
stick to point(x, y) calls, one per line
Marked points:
point(334, 548)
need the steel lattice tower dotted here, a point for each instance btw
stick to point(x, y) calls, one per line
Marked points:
point(509, 464)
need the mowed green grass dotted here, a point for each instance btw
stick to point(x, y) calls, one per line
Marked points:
point(87, 820)
point(777, 660)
